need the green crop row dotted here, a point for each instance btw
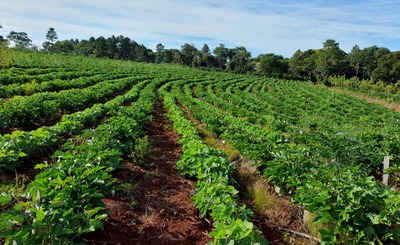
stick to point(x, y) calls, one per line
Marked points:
point(309, 115)
point(15, 71)
point(343, 129)
point(64, 200)
point(18, 145)
point(13, 79)
point(380, 90)
point(317, 146)
point(215, 194)
point(58, 84)
point(361, 210)
point(24, 111)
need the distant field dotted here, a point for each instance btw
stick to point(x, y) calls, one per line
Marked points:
point(324, 150)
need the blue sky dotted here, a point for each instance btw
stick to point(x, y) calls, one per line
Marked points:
point(262, 26)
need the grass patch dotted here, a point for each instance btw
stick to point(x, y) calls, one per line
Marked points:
point(210, 139)
point(141, 152)
point(391, 105)
point(13, 187)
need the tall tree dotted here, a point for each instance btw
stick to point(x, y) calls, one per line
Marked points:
point(303, 63)
point(221, 54)
point(189, 52)
point(388, 69)
point(112, 47)
point(371, 56)
point(20, 39)
point(271, 65)
point(169, 55)
point(208, 61)
point(143, 54)
point(84, 47)
point(63, 47)
point(51, 35)
point(126, 48)
point(160, 53)
point(176, 56)
point(356, 60)
point(100, 49)
point(239, 61)
point(331, 61)
point(365, 61)
point(47, 46)
point(205, 49)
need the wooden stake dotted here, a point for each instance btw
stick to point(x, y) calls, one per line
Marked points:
point(385, 180)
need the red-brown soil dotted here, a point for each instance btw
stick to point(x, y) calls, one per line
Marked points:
point(156, 208)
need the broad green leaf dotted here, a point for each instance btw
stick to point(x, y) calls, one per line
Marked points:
point(40, 215)
point(369, 231)
point(22, 154)
point(5, 199)
point(58, 204)
point(41, 166)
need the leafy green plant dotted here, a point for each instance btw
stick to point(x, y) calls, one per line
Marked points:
point(18, 145)
point(141, 152)
point(64, 200)
point(361, 209)
point(237, 232)
point(214, 194)
point(314, 151)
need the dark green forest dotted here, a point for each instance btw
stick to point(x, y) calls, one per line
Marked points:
point(373, 64)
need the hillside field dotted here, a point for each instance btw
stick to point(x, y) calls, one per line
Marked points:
point(105, 151)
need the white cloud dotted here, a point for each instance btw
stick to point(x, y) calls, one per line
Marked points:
point(280, 27)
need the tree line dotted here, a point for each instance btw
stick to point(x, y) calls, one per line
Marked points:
point(371, 63)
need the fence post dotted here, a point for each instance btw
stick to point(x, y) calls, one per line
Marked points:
point(385, 180)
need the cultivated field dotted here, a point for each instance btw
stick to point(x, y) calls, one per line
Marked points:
point(103, 151)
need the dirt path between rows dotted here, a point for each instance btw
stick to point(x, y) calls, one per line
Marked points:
point(156, 206)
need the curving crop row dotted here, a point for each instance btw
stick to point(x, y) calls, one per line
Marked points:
point(215, 194)
point(11, 79)
point(361, 137)
point(380, 90)
point(23, 111)
point(15, 71)
point(360, 210)
point(64, 201)
point(339, 127)
point(33, 86)
point(18, 145)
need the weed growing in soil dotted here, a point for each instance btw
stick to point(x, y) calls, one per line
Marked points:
point(141, 152)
